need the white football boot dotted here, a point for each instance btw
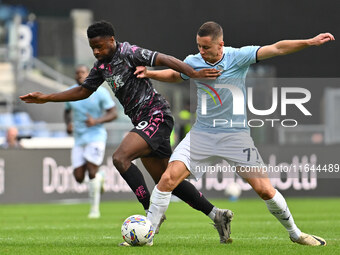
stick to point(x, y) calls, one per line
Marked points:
point(222, 221)
point(311, 240)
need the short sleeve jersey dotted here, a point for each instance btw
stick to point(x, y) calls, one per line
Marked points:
point(95, 105)
point(221, 103)
point(137, 96)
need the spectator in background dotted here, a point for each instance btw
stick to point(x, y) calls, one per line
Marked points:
point(90, 136)
point(12, 140)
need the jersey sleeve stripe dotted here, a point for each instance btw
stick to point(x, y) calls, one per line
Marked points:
point(256, 55)
point(184, 77)
point(153, 59)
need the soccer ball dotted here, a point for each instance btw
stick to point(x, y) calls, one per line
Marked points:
point(137, 230)
point(233, 191)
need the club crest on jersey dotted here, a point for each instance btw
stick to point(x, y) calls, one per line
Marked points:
point(146, 54)
point(115, 81)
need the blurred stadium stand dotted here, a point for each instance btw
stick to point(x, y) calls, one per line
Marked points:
point(332, 120)
point(7, 82)
point(22, 72)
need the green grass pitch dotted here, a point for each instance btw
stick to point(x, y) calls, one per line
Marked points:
point(64, 229)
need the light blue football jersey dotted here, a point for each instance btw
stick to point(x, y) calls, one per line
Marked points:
point(221, 103)
point(95, 105)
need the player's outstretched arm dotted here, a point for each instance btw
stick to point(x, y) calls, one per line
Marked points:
point(181, 67)
point(290, 46)
point(74, 94)
point(173, 74)
point(167, 75)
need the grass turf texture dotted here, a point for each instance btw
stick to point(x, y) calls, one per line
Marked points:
point(65, 229)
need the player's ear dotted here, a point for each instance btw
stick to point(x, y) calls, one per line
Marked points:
point(112, 39)
point(221, 43)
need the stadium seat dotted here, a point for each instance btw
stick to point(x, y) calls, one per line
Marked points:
point(22, 118)
point(6, 119)
point(59, 134)
point(40, 129)
point(24, 123)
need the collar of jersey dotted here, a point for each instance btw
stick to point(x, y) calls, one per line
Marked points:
point(216, 63)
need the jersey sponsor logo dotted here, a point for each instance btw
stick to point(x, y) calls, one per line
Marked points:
point(115, 82)
point(204, 98)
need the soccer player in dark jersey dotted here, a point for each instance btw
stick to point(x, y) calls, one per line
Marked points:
point(148, 111)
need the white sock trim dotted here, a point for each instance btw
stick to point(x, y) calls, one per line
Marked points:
point(161, 192)
point(160, 198)
point(212, 214)
point(273, 199)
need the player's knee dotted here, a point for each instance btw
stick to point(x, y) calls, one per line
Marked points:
point(266, 193)
point(167, 183)
point(92, 175)
point(78, 177)
point(120, 161)
point(117, 161)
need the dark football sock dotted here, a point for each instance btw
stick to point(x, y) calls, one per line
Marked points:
point(135, 179)
point(189, 194)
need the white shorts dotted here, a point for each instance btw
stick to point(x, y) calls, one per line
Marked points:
point(92, 152)
point(200, 151)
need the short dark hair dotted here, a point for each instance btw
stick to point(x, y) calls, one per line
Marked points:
point(100, 28)
point(210, 28)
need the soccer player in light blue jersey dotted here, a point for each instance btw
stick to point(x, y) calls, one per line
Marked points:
point(84, 119)
point(210, 139)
